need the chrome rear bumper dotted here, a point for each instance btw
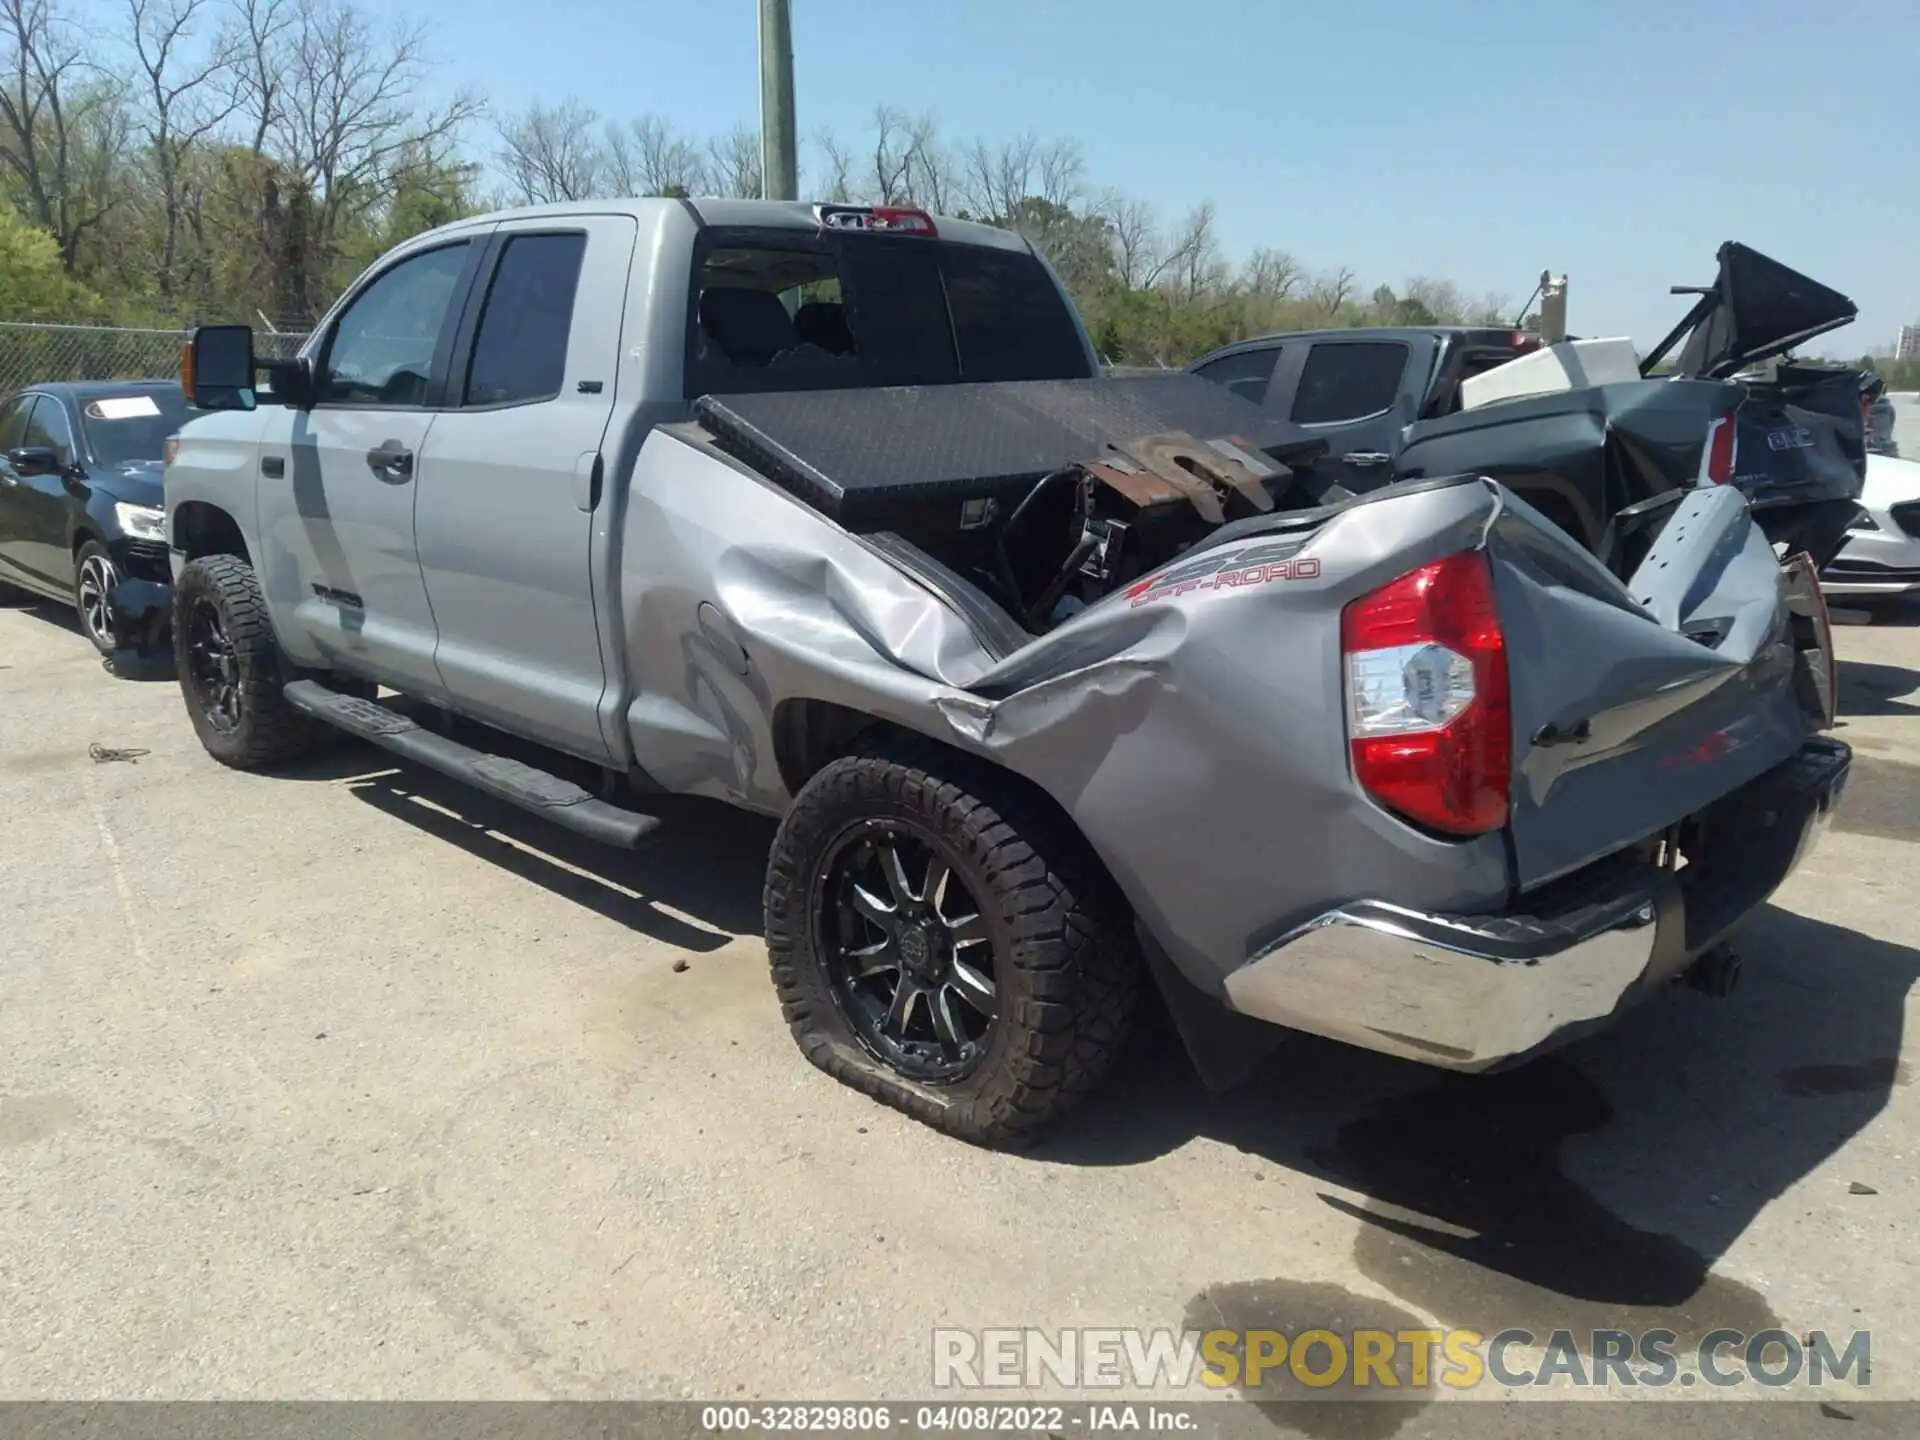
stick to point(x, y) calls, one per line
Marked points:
point(1474, 992)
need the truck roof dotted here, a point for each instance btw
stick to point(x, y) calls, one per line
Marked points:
point(745, 214)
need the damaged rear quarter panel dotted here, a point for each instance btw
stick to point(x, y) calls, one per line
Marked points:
point(1197, 742)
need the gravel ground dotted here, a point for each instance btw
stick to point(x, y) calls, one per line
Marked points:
point(344, 1084)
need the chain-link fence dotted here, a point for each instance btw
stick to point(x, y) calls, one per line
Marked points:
point(33, 354)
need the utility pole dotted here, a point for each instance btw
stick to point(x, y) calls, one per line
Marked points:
point(779, 159)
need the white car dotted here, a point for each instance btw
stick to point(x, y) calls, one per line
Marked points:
point(1881, 559)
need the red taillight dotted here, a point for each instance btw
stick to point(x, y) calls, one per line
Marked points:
point(1716, 461)
point(899, 221)
point(1428, 714)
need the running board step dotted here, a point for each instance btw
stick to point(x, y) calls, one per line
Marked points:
point(534, 791)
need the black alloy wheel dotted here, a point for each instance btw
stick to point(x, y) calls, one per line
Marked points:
point(94, 578)
point(213, 667)
point(908, 951)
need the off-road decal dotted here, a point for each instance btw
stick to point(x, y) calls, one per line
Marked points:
point(1228, 570)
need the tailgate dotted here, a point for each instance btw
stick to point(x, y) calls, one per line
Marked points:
point(1636, 707)
point(1801, 438)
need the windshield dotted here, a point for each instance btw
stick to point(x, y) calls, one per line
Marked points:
point(777, 310)
point(129, 429)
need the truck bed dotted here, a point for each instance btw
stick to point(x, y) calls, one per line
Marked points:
point(898, 458)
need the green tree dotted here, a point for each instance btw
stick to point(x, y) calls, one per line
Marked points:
point(34, 284)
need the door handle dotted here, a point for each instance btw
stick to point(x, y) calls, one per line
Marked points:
point(1367, 458)
point(391, 459)
point(586, 481)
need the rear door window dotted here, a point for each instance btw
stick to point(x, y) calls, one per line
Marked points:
point(1245, 374)
point(1348, 380)
point(520, 351)
point(787, 311)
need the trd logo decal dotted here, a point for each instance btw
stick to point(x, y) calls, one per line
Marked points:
point(1254, 565)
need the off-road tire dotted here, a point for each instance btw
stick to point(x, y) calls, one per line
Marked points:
point(1065, 957)
point(270, 731)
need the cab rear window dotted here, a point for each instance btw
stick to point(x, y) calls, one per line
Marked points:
point(781, 311)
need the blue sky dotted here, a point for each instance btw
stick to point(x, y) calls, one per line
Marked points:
point(1477, 140)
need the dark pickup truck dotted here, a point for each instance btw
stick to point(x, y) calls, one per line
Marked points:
point(1597, 457)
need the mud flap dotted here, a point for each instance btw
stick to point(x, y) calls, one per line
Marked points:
point(1225, 1046)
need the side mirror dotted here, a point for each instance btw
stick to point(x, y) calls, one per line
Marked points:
point(217, 368)
point(35, 460)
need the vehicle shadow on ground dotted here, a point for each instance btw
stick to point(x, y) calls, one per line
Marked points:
point(1878, 689)
point(124, 666)
point(1592, 1189)
point(694, 884)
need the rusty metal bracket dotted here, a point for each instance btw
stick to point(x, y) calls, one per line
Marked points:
point(1198, 468)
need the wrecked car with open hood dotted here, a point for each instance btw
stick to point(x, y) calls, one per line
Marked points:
point(1593, 435)
point(1061, 687)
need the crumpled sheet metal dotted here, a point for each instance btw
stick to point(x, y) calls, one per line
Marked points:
point(1195, 736)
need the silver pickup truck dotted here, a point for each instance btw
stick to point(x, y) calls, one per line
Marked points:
point(1063, 687)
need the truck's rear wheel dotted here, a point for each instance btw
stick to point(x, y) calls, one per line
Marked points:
point(230, 667)
point(945, 943)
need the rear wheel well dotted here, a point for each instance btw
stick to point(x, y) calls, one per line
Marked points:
point(809, 735)
point(200, 529)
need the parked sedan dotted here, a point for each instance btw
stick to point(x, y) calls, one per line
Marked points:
point(1881, 559)
point(81, 504)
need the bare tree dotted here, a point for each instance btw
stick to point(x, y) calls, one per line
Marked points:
point(892, 175)
point(185, 97)
point(1063, 170)
point(1332, 291)
point(734, 159)
point(59, 133)
point(648, 156)
point(1270, 275)
point(349, 108)
point(254, 38)
point(549, 153)
point(1192, 262)
point(1135, 237)
point(836, 182)
point(996, 178)
point(930, 172)
point(1439, 298)
point(1492, 308)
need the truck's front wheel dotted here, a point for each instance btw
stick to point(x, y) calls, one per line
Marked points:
point(944, 942)
point(230, 668)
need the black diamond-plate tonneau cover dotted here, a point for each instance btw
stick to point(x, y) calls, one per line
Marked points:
point(858, 456)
